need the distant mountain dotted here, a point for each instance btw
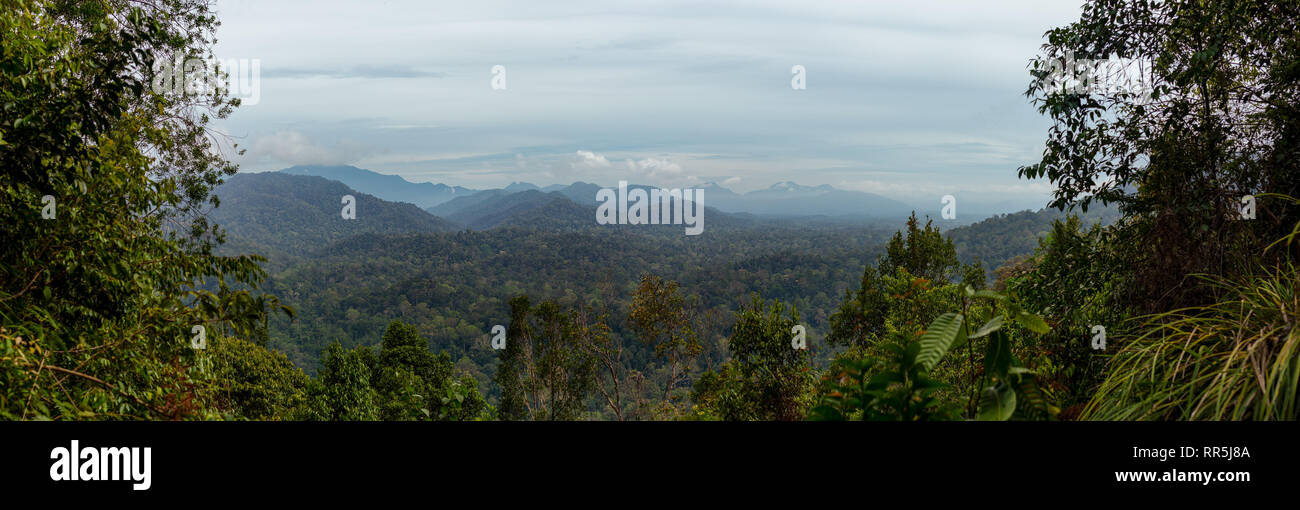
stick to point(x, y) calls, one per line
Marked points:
point(713, 190)
point(502, 206)
point(580, 192)
point(791, 199)
point(388, 187)
point(516, 187)
point(277, 213)
point(1000, 238)
point(781, 199)
point(549, 211)
point(455, 205)
point(536, 209)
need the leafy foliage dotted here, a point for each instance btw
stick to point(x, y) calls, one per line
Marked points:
point(1216, 120)
point(546, 373)
point(766, 379)
point(1238, 359)
point(99, 294)
point(899, 386)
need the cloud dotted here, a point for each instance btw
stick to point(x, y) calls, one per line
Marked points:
point(588, 159)
point(731, 181)
point(655, 168)
point(912, 189)
point(358, 71)
point(683, 89)
point(295, 148)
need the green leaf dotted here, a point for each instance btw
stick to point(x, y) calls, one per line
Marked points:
point(1031, 395)
point(988, 327)
point(997, 403)
point(988, 294)
point(1032, 322)
point(997, 358)
point(938, 338)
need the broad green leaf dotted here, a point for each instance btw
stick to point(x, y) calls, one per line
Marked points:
point(938, 338)
point(997, 357)
point(988, 327)
point(997, 403)
point(1032, 322)
point(1031, 395)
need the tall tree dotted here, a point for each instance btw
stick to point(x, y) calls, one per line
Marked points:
point(546, 372)
point(664, 319)
point(1198, 110)
point(919, 251)
point(107, 266)
point(766, 378)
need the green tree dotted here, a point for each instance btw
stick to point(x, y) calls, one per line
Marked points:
point(860, 320)
point(922, 251)
point(100, 294)
point(546, 371)
point(342, 392)
point(767, 378)
point(412, 383)
point(1213, 118)
point(917, 251)
point(1073, 284)
point(664, 319)
point(252, 382)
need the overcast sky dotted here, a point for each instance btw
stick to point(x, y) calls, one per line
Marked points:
point(910, 99)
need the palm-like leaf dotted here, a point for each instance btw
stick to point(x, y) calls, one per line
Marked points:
point(938, 338)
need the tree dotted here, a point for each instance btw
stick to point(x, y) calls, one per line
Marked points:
point(923, 251)
point(412, 383)
point(252, 382)
point(1198, 111)
point(597, 339)
point(663, 318)
point(860, 320)
point(108, 264)
point(343, 392)
point(545, 373)
point(767, 378)
point(920, 252)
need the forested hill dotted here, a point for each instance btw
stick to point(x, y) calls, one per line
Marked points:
point(347, 279)
point(1000, 238)
point(388, 187)
point(564, 210)
point(492, 208)
point(277, 215)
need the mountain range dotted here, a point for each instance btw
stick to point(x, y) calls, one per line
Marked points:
point(388, 187)
point(781, 199)
point(277, 213)
point(288, 213)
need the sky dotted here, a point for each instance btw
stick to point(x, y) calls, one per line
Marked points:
point(912, 100)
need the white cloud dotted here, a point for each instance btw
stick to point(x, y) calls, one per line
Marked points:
point(662, 85)
point(913, 189)
point(655, 168)
point(294, 148)
point(588, 159)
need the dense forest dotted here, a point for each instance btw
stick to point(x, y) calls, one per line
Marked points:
point(142, 278)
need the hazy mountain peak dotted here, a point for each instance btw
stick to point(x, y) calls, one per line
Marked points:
point(516, 187)
point(386, 186)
